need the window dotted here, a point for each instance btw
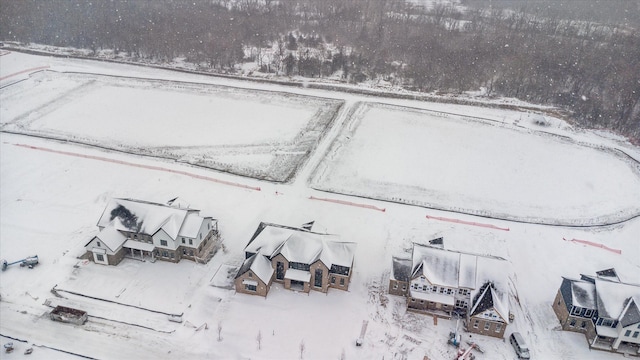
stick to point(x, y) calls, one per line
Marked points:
point(424, 287)
point(404, 287)
point(165, 253)
point(299, 266)
point(190, 241)
point(572, 323)
point(190, 252)
point(583, 324)
point(627, 333)
point(441, 290)
point(317, 279)
point(100, 257)
point(183, 241)
point(635, 334)
point(486, 326)
point(434, 289)
point(163, 242)
point(250, 287)
point(250, 274)
point(340, 270)
point(448, 291)
point(576, 310)
point(172, 255)
point(587, 312)
point(421, 301)
point(333, 279)
point(208, 226)
point(98, 243)
point(395, 286)
point(498, 327)
point(413, 300)
point(475, 324)
point(341, 282)
point(184, 251)
point(200, 236)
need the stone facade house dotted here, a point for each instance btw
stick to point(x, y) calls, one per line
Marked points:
point(255, 276)
point(444, 282)
point(146, 230)
point(301, 260)
point(603, 308)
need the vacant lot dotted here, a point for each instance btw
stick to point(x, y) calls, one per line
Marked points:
point(250, 133)
point(486, 168)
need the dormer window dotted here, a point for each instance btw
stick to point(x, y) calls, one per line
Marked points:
point(98, 243)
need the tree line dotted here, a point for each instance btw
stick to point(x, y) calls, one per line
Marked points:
point(589, 68)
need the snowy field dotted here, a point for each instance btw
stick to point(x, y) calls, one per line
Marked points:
point(52, 194)
point(478, 167)
point(251, 133)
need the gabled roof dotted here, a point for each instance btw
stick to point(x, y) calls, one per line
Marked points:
point(300, 245)
point(455, 269)
point(613, 296)
point(259, 265)
point(490, 299)
point(110, 237)
point(148, 218)
point(630, 314)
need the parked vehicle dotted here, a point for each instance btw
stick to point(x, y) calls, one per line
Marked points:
point(518, 343)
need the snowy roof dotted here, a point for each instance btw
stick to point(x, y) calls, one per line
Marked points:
point(456, 269)
point(300, 245)
point(259, 265)
point(490, 298)
point(147, 217)
point(583, 294)
point(401, 269)
point(613, 296)
point(438, 266)
point(630, 314)
point(137, 245)
point(298, 275)
point(463, 270)
point(112, 238)
point(191, 225)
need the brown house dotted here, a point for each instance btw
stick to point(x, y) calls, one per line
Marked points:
point(300, 259)
point(255, 276)
point(603, 308)
point(443, 282)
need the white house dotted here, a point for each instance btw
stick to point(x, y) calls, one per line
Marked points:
point(441, 282)
point(144, 229)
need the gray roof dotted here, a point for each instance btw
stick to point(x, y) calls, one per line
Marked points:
point(401, 269)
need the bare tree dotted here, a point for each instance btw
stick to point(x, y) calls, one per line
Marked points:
point(302, 347)
point(259, 339)
point(219, 331)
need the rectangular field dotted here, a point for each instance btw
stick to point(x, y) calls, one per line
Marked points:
point(478, 167)
point(266, 135)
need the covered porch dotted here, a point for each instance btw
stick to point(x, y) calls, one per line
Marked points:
point(139, 251)
point(297, 280)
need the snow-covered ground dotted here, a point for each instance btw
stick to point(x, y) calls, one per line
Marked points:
point(479, 167)
point(52, 194)
point(250, 133)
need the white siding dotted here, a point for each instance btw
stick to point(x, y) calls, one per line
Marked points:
point(161, 235)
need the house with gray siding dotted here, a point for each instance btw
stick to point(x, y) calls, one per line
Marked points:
point(603, 308)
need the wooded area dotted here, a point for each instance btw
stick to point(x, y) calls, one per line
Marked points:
point(590, 67)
